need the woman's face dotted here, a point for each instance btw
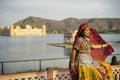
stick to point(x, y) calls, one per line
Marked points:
point(86, 32)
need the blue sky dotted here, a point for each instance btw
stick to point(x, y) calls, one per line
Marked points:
point(12, 11)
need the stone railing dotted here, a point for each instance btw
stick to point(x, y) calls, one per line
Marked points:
point(50, 74)
point(116, 72)
point(25, 76)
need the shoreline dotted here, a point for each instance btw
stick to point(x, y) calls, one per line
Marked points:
point(69, 45)
point(64, 45)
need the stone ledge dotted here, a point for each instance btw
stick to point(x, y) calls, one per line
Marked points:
point(51, 74)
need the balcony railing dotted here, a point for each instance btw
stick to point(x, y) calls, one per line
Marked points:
point(46, 73)
point(51, 74)
point(19, 66)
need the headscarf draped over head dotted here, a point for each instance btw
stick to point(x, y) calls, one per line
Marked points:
point(82, 27)
point(95, 38)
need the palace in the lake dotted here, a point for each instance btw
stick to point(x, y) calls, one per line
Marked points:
point(19, 31)
point(69, 37)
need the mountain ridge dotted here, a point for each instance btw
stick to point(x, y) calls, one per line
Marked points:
point(71, 23)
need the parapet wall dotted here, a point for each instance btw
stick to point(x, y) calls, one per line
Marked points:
point(51, 74)
point(25, 76)
point(27, 31)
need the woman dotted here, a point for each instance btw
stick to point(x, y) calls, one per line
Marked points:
point(88, 54)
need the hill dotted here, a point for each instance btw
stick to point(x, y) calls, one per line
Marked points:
point(61, 26)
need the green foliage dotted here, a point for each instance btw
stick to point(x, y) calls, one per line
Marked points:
point(116, 31)
point(118, 62)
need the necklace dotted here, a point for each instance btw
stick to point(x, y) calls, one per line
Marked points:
point(88, 43)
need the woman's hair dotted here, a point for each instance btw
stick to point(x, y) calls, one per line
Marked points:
point(81, 34)
point(114, 60)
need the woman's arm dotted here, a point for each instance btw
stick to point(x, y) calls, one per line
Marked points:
point(73, 55)
point(99, 46)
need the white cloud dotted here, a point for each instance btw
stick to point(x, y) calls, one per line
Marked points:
point(101, 6)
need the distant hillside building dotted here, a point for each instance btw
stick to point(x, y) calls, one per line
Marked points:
point(27, 31)
point(69, 37)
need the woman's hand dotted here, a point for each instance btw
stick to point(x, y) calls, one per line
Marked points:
point(73, 67)
point(105, 45)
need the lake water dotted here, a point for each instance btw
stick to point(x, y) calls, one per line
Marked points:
point(35, 48)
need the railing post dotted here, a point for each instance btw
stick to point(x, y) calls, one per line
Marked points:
point(40, 65)
point(2, 68)
point(49, 74)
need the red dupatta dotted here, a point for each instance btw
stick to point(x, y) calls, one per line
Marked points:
point(101, 53)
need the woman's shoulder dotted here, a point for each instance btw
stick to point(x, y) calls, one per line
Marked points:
point(80, 39)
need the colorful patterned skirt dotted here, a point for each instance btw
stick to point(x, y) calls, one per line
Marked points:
point(90, 69)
